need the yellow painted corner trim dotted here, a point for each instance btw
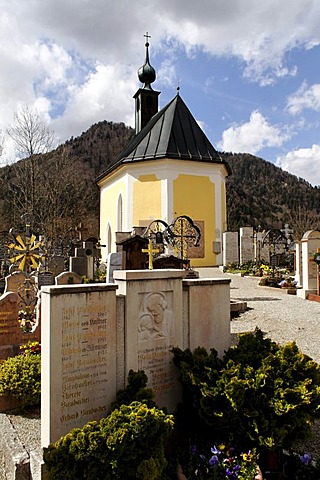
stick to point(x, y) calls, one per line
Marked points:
point(148, 178)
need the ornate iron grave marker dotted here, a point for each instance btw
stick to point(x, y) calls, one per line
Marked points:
point(181, 234)
point(24, 253)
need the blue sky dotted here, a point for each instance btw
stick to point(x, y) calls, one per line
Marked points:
point(248, 70)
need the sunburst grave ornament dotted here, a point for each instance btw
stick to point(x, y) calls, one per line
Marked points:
point(25, 252)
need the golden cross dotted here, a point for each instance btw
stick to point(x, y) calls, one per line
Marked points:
point(150, 251)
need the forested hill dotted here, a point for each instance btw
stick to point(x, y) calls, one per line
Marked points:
point(65, 193)
point(259, 193)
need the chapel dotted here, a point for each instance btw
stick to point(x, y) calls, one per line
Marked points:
point(168, 169)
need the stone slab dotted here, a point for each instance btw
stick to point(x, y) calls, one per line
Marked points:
point(78, 361)
point(153, 326)
point(16, 458)
point(11, 335)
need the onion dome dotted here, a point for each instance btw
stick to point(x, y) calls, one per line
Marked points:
point(147, 73)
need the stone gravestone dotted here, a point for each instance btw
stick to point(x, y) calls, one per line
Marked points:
point(114, 262)
point(11, 335)
point(246, 244)
point(84, 260)
point(153, 325)
point(14, 281)
point(230, 248)
point(68, 278)
point(78, 364)
point(44, 279)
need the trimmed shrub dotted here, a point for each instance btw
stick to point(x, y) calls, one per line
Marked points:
point(128, 444)
point(264, 395)
point(20, 378)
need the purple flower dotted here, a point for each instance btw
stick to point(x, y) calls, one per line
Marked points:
point(306, 458)
point(215, 450)
point(236, 468)
point(231, 474)
point(214, 461)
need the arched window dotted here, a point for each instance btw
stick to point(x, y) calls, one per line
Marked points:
point(109, 238)
point(120, 214)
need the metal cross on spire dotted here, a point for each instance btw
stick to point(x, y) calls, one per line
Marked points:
point(147, 36)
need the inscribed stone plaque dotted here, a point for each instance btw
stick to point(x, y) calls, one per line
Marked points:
point(11, 335)
point(156, 339)
point(153, 326)
point(79, 357)
point(45, 278)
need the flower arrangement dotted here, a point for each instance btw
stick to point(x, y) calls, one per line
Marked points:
point(222, 463)
point(266, 269)
point(27, 319)
point(31, 348)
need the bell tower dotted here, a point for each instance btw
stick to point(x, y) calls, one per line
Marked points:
point(146, 99)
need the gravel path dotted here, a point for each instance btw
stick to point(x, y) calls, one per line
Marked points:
point(282, 317)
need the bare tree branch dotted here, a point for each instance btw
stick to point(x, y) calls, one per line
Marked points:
point(30, 133)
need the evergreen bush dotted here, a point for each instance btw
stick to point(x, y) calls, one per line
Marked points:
point(127, 444)
point(263, 395)
point(20, 378)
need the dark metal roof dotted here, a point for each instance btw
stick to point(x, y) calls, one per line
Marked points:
point(171, 133)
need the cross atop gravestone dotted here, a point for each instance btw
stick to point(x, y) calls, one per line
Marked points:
point(150, 251)
point(85, 257)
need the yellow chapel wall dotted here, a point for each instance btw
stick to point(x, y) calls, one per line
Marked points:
point(109, 195)
point(146, 199)
point(194, 195)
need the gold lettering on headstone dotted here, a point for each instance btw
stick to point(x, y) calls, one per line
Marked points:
point(84, 358)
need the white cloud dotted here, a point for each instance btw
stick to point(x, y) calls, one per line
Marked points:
point(303, 162)
point(304, 98)
point(79, 62)
point(258, 33)
point(99, 98)
point(253, 136)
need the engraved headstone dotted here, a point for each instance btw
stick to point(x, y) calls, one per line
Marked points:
point(11, 335)
point(153, 326)
point(44, 279)
point(78, 369)
point(15, 282)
